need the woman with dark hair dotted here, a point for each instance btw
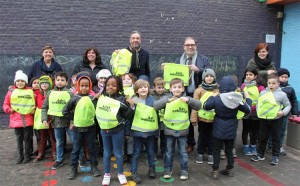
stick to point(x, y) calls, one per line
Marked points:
point(262, 61)
point(45, 66)
point(91, 63)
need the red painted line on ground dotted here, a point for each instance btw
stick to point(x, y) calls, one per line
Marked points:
point(263, 176)
point(49, 164)
point(49, 183)
point(49, 172)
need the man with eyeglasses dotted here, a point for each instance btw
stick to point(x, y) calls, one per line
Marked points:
point(197, 63)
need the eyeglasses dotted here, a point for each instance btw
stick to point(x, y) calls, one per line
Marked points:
point(190, 45)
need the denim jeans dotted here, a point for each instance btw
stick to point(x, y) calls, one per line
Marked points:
point(113, 141)
point(137, 146)
point(60, 136)
point(170, 150)
point(79, 139)
point(217, 146)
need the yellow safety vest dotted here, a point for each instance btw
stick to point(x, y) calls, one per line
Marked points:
point(22, 101)
point(172, 70)
point(129, 91)
point(145, 119)
point(38, 125)
point(253, 94)
point(206, 114)
point(84, 112)
point(106, 112)
point(177, 115)
point(57, 101)
point(267, 108)
point(121, 62)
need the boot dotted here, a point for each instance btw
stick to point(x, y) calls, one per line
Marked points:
point(73, 173)
point(20, 153)
point(214, 174)
point(95, 171)
point(20, 159)
point(151, 173)
point(27, 156)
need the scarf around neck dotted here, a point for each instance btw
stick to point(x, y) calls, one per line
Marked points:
point(135, 62)
point(250, 84)
point(206, 86)
point(263, 64)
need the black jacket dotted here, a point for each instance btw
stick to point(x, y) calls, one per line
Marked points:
point(144, 68)
point(85, 67)
point(290, 92)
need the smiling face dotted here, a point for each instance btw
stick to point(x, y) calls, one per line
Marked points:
point(127, 81)
point(60, 82)
point(111, 86)
point(262, 53)
point(84, 86)
point(20, 84)
point(135, 40)
point(48, 55)
point(91, 55)
point(143, 91)
point(159, 89)
point(190, 47)
point(102, 80)
point(35, 84)
point(177, 89)
point(209, 79)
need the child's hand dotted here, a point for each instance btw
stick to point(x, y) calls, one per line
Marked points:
point(280, 114)
point(172, 99)
point(97, 95)
point(71, 126)
point(12, 111)
point(129, 100)
point(46, 124)
point(215, 94)
point(184, 99)
point(33, 111)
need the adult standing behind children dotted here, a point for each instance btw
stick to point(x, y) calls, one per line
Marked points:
point(91, 62)
point(46, 65)
point(262, 61)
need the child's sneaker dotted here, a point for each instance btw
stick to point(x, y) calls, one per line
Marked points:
point(57, 164)
point(275, 160)
point(122, 179)
point(199, 158)
point(234, 153)
point(257, 158)
point(228, 172)
point(136, 178)
point(82, 163)
point(282, 152)
point(210, 159)
point(184, 175)
point(167, 175)
point(247, 151)
point(253, 149)
point(222, 155)
point(214, 174)
point(106, 179)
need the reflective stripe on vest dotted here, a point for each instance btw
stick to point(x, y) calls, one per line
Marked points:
point(253, 94)
point(128, 91)
point(38, 125)
point(172, 70)
point(57, 101)
point(267, 108)
point(206, 114)
point(145, 119)
point(106, 112)
point(121, 62)
point(177, 115)
point(22, 101)
point(84, 112)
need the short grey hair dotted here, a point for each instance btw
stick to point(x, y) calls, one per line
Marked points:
point(192, 38)
point(135, 32)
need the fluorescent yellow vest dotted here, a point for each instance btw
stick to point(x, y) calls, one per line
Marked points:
point(145, 119)
point(106, 112)
point(253, 94)
point(128, 91)
point(22, 101)
point(38, 125)
point(267, 108)
point(84, 112)
point(172, 70)
point(206, 114)
point(177, 115)
point(57, 101)
point(121, 62)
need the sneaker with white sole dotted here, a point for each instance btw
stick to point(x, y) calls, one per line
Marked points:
point(122, 179)
point(257, 158)
point(199, 158)
point(167, 175)
point(184, 175)
point(106, 179)
point(210, 159)
point(274, 161)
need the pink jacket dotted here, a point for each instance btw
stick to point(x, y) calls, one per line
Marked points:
point(16, 120)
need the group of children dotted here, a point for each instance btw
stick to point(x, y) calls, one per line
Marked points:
point(131, 116)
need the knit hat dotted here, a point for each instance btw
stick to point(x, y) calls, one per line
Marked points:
point(21, 76)
point(227, 84)
point(208, 71)
point(78, 81)
point(282, 71)
point(103, 73)
point(45, 79)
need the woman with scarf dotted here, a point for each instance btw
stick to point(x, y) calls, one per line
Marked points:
point(46, 65)
point(262, 61)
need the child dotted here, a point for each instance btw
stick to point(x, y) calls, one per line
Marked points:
point(284, 75)
point(19, 103)
point(158, 92)
point(204, 118)
point(251, 123)
point(45, 85)
point(73, 83)
point(272, 105)
point(52, 107)
point(176, 121)
point(34, 83)
point(226, 106)
point(144, 128)
point(112, 109)
point(101, 77)
point(128, 80)
point(84, 129)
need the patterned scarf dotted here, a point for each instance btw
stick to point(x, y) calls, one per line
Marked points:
point(209, 87)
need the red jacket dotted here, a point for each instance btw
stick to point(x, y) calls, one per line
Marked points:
point(16, 120)
point(39, 98)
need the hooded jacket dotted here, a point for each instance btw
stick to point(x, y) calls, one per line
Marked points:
point(290, 92)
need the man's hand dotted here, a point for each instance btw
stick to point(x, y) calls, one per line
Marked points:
point(194, 68)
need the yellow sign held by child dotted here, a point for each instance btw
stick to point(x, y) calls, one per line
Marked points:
point(172, 70)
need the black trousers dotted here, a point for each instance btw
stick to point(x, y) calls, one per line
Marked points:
point(190, 137)
point(217, 146)
point(205, 138)
point(24, 135)
point(273, 128)
point(251, 128)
